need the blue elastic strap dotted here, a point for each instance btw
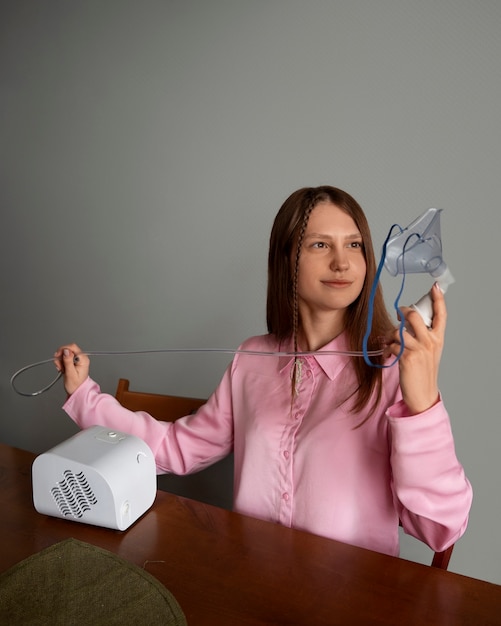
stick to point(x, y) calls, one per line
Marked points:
point(370, 312)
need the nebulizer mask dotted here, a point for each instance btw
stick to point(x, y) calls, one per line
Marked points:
point(416, 249)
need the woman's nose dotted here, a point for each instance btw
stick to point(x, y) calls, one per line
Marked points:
point(339, 260)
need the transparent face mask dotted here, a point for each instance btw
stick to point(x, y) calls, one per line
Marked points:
point(416, 249)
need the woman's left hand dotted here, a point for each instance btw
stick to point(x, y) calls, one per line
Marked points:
point(420, 360)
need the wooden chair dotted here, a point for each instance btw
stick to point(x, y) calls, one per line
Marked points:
point(170, 408)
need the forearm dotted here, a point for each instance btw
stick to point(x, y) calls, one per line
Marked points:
point(432, 493)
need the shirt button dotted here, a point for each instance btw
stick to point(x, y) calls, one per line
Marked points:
point(285, 496)
point(286, 454)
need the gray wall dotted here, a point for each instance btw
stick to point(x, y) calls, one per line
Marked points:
point(146, 146)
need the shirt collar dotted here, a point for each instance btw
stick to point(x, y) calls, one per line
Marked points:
point(331, 364)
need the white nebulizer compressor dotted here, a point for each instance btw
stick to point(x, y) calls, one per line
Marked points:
point(99, 476)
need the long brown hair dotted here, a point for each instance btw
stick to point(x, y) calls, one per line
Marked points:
point(282, 314)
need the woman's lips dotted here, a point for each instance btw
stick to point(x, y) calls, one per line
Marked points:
point(337, 284)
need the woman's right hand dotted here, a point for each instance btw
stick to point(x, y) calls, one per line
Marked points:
point(74, 364)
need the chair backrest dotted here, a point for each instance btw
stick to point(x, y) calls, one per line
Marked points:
point(162, 407)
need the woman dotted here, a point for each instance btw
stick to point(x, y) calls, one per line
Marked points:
point(322, 442)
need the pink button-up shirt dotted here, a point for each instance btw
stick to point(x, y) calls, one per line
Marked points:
point(307, 465)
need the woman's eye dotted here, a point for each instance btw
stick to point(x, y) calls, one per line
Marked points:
point(324, 245)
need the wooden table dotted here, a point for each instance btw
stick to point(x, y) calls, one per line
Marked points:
point(225, 568)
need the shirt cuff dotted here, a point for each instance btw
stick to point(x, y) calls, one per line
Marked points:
point(71, 399)
point(400, 409)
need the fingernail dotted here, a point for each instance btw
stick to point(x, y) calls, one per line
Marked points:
point(66, 352)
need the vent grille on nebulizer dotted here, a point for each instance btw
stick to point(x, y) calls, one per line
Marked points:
point(73, 495)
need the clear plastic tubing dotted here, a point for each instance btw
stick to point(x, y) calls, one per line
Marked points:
point(353, 353)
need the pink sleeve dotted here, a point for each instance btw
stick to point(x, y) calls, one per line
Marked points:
point(433, 495)
point(180, 447)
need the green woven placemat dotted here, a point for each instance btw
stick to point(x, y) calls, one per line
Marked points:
point(73, 583)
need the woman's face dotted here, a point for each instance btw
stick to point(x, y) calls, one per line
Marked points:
point(332, 264)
